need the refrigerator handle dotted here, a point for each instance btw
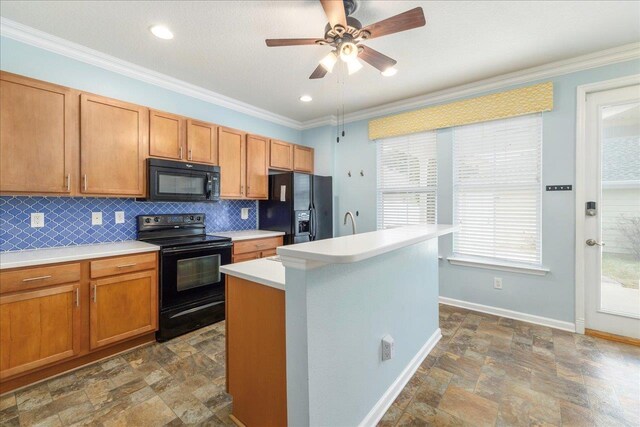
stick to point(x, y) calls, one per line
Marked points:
point(314, 223)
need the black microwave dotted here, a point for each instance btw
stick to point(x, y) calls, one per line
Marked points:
point(171, 181)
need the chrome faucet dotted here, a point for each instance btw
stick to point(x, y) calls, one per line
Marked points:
point(353, 221)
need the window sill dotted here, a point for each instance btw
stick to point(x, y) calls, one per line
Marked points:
point(497, 265)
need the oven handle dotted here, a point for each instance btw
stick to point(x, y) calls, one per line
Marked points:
point(180, 250)
point(193, 310)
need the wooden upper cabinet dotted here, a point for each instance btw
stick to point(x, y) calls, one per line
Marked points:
point(166, 135)
point(38, 136)
point(113, 146)
point(202, 142)
point(123, 307)
point(38, 328)
point(257, 167)
point(280, 155)
point(231, 158)
point(302, 159)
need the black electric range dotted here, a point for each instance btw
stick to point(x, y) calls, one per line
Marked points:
point(191, 286)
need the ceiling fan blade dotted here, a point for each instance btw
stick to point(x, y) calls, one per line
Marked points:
point(290, 42)
point(408, 20)
point(334, 9)
point(318, 73)
point(377, 59)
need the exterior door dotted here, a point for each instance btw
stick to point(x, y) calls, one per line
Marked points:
point(612, 228)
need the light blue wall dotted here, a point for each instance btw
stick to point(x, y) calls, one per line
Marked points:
point(549, 296)
point(41, 64)
point(336, 318)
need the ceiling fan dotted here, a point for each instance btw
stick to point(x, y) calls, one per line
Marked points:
point(345, 34)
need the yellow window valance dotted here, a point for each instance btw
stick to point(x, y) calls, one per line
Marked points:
point(516, 102)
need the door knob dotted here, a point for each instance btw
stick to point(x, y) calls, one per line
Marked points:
point(592, 242)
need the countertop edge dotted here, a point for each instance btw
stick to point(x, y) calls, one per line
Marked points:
point(252, 278)
point(73, 257)
point(289, 252)
point(261, 234)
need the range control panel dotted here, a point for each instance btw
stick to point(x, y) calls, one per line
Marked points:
point(170, 220)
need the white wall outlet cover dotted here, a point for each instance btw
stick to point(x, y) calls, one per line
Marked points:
point(387, 347)
point(37, 220)
point(96, 218)
point(497, 283)
point(244, 213)
point(119, 217)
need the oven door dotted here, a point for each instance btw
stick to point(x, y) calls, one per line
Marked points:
point(191, 274)
point(168, 184)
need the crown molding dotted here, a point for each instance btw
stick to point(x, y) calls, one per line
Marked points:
point(46, 41)
point(553, 69)
point(42, 40)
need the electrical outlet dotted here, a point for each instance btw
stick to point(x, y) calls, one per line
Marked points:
point(387, 347)
point(96, 218)
point(119, 217)
point(37, 220)
point(497, 283)
point(244, 213)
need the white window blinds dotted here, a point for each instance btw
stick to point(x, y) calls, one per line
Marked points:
point(407, 180)
point(497, 189)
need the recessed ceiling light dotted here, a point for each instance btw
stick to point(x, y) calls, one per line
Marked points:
point(161, 32)
point(306, 98)
point(389, 72)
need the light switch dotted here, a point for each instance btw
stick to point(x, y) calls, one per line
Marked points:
point(119, 217)
point(244, 213)
point(96, 218)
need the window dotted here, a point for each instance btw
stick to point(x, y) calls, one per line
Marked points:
point(407, 180)
point(497, 189)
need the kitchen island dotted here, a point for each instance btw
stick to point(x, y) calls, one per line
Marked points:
point(304, 336)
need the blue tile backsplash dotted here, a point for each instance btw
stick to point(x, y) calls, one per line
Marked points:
point(68, 219)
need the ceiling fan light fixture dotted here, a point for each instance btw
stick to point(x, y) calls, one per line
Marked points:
point(353, 66)
point(348, 52)
point(329, 61)
point(391, 71)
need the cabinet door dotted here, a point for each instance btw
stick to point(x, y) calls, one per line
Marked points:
point(231, 158)
point(302, 159)
point(123, 307)
point(38, 328)
point(257, 167)
point(113, 146)
point(202, 142)
point(38, 136)
point(280, 155)
point(166, 135)
point(246, 257)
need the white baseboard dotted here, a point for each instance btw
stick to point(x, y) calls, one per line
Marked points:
point(381, 407)
point(502, 312)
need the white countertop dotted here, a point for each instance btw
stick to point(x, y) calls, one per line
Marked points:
point(72, 253)
point(357, 247)
point(266, 271)
point(247, 234)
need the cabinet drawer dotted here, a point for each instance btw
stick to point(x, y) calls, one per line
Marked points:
point(125, 264)
point(246, 257)
point(256, 245)
point(270, 252)
point(29, 278)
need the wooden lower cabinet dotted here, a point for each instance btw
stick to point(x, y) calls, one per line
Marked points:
point(39, 327)
point(246, 250)
point(48, 327)
point(122, 307)
point(256, 353)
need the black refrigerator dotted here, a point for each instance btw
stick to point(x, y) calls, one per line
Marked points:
point(300, 205)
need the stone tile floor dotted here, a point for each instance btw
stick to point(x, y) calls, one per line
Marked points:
point(493, 371)
point(486, 370)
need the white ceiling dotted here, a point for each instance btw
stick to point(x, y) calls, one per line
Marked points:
point(219, 45)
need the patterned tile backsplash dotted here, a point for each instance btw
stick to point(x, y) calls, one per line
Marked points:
point(68, 219)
